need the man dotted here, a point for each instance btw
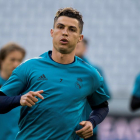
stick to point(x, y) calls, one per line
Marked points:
point(80, 52)
point(135, 100)
point(11, 55)
point(55, 87)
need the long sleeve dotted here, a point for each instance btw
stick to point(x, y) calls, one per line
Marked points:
point(8, 103)
point(98, 113)
point(134, 103)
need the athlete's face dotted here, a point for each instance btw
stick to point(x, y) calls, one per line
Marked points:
point(12, 60)
point(66, 34)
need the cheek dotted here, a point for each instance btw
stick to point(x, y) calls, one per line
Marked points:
point(76, 38)
point(6, 65)
point(5, 62)
point(9, 62)
point(56, 38)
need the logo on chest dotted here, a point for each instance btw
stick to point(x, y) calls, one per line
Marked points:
point(42, 77)
point(78, 83)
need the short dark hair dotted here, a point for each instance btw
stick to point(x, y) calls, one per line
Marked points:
point(70, 12)
point(8, 48)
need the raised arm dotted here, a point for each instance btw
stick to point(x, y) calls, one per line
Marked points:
point(8, 103)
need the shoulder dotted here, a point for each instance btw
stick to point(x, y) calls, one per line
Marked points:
point(88, 68)
point(29, 64)
point(33, 61)
point(138, 78)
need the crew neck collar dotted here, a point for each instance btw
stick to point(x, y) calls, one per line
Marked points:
point(59, 64)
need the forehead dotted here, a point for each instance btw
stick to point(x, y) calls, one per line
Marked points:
point(14, 53)
point(67, 21)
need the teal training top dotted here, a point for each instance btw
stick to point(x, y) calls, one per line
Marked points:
point(9, 121)
point(66, 87)
point(136, 90)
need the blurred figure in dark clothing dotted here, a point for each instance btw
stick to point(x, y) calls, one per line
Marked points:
point(135, 100)
point(80, 52)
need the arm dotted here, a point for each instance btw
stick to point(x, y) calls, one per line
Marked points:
point(134, 103)
point(98, 102)
point(10, 92)
point(98, 113)
point(8, 103)
point(97, 116)
point(135, 99)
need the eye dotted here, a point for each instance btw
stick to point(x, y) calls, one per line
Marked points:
point(60, 27)
point(72, 29)
point(12, 59)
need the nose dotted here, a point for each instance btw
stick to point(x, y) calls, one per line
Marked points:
point(65, 32)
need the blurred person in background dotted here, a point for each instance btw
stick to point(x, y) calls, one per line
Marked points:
point(80, 52)
point(135, 99)
point(11, 55)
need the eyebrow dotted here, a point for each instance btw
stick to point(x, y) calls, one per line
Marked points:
point(64, 25)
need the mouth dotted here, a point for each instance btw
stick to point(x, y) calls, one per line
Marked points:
point(63, 41)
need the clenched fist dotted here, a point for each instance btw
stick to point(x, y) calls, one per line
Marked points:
point(86, 131)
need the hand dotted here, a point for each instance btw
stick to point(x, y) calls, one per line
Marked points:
point(86, 131)
point(29, 98)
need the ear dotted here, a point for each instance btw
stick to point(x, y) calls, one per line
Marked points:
point(80, 38)
point(51, 32)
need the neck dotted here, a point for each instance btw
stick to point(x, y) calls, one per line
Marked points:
point(62, 58)
point(4, 75)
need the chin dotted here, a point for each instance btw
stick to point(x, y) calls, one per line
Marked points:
point(64, 51)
